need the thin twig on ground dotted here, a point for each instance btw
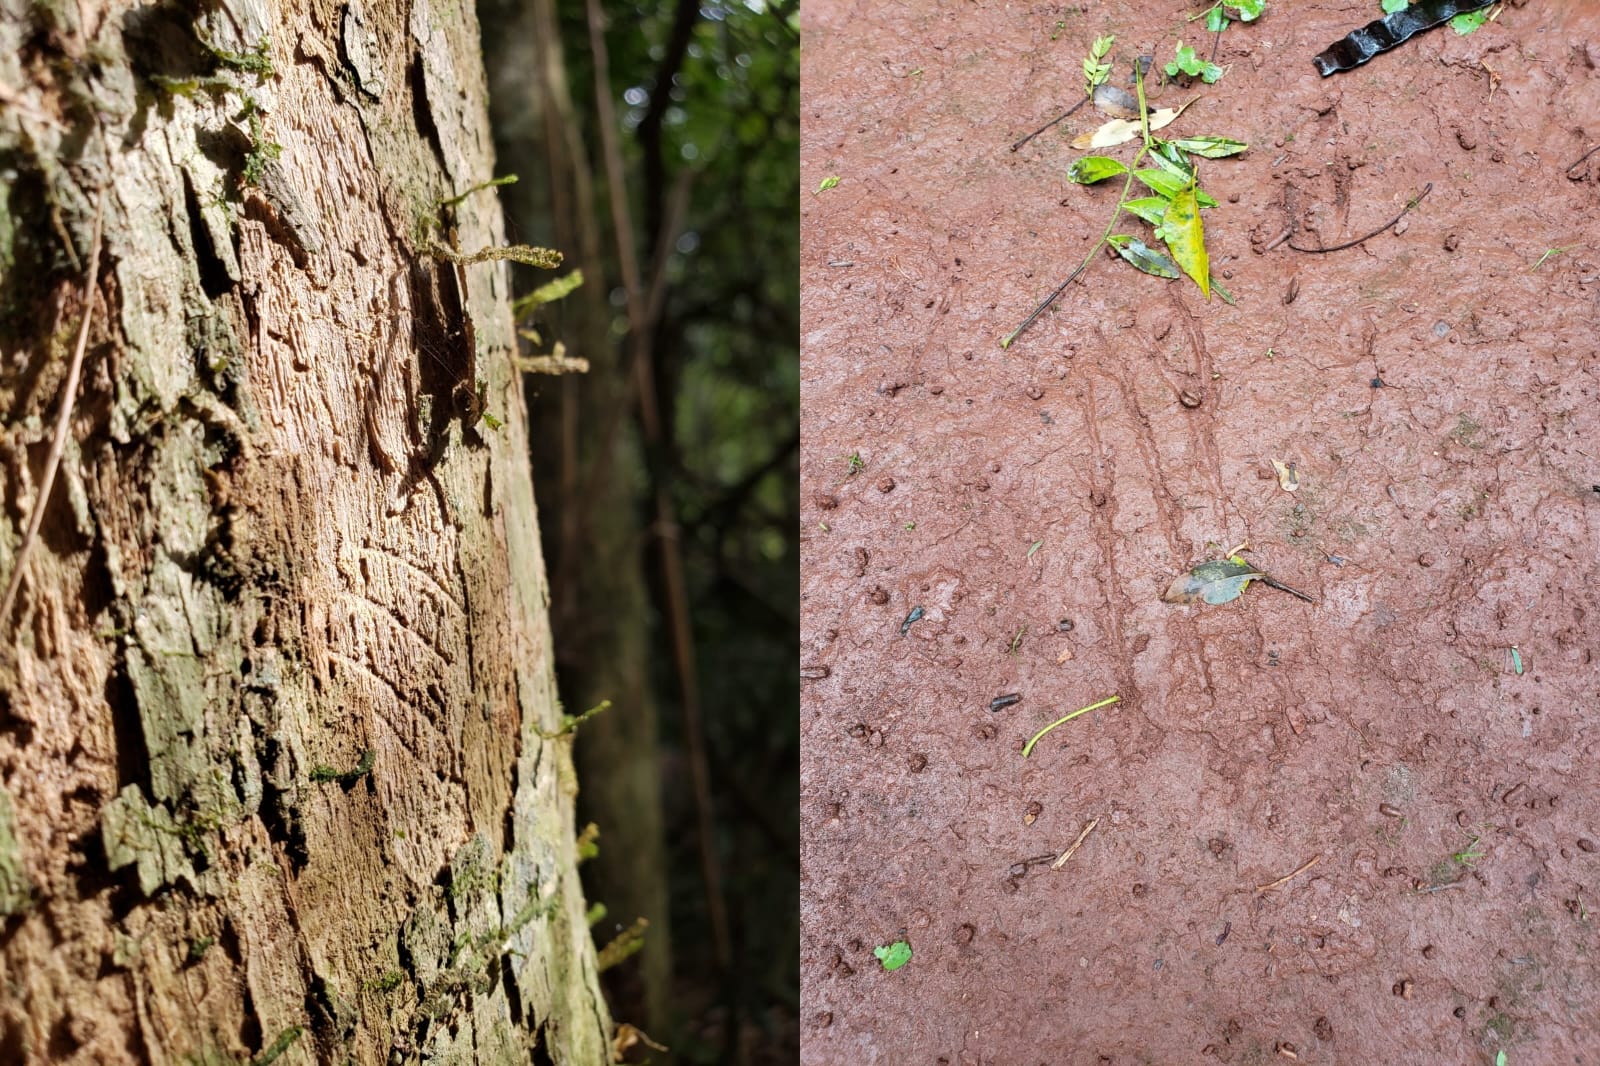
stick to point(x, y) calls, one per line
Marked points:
point(1286, 878)
point(1411, 203)
point(1076, 844)
point(69, 397)
point(1052, 122)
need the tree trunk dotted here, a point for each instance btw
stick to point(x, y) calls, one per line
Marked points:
point(282, 771)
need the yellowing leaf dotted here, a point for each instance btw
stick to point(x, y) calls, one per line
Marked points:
point(1186, 238)
point(1121, 130)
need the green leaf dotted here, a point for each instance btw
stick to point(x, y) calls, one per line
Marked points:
point(1211, 147)
point(1102, 46)
point(1249, 10)
point(1186, 238)
point(1173, 161)
point(1148, 208)
point(1168, 185)
point(827, 183)
point(1216, 20)
point(1093, 168)
point(1471, 20)
point(893, 956)
point(1214, 582)
point(1034, 547)
point(1142, 256)
point(1391, 6)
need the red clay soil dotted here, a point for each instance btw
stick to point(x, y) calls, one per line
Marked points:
point(1441, 805)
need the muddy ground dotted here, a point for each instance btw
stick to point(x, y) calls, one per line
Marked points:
point(1447, 803)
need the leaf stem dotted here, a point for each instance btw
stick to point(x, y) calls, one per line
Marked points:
point(1127, 186)
point(1028, 748)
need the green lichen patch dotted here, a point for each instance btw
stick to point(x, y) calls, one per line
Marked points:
point(136, 833)
point(16, 891)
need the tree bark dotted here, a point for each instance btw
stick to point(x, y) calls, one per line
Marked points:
point(282, 770)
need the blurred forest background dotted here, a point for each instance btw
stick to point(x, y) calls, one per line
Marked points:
point(657, 146)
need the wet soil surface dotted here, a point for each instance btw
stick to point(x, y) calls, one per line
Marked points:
point(1034, 503)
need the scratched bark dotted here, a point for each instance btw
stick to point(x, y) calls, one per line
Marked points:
point(271, 551)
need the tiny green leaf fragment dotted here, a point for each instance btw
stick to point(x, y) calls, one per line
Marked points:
point(1214, 582)
point(1216, 20)
point(1093, 168)
point(893, 956)
point(1391, 6)
point(1211, 147)
point(1469, 21)
point(1249, 10)
point(828, 182)
point(1186, 238)
point(1143, 256)
point(1034, 547)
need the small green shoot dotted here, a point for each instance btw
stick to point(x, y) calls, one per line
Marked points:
point(548, 293)
point(1027, 749)
point(1516, 659)
point(622, 945)
point(1500, 1059)
point(595, 914)
point(588, 842)
point(1467, 855)
point(893, 956)
point(262, 151)
point(1186, 62)
point(322, 774)
point(829, 182)
point(1035, 546)
point(1549, 253)
point(1217, 17)
point(491, 421)
point(856, 463)
point(283, 1043)
point(390, 981)
point(1096, 71)
point(911, 525)
point(570, 722)
point(509, 179)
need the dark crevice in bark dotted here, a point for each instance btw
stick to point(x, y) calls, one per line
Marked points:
point(214, 278)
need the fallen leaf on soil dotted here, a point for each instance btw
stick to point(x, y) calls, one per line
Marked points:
point(893, 956)
point(1217, 581)
point(1116, 102)
point(1121, 131)
point(1142, 256)
point(1066, 653)
point(1186, 239)
point(1288, 476)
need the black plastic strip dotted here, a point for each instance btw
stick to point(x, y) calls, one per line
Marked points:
point(1397, 28)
